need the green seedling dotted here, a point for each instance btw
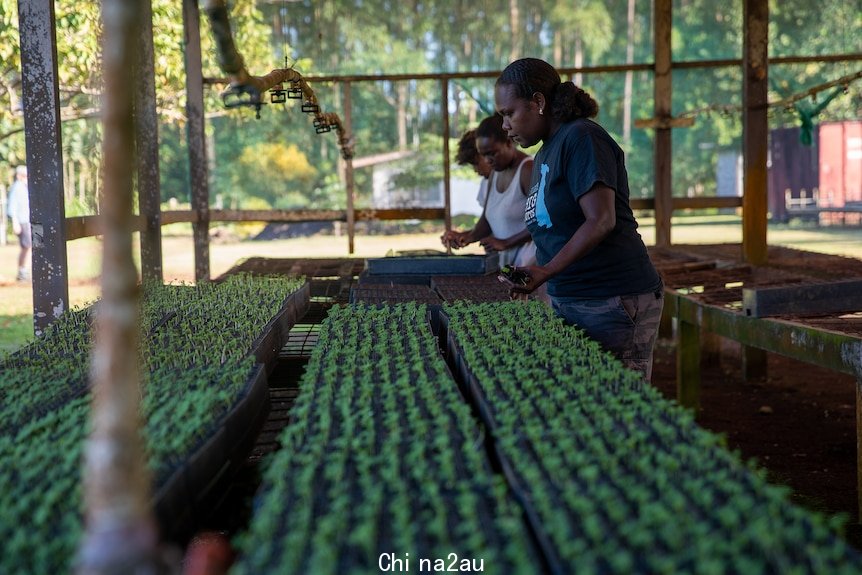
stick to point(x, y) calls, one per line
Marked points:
point(514, 275)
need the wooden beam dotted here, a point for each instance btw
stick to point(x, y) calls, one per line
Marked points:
point(832, 350)
point(447, 184)
point(613, 68)
point(196, 135)
point(348, 171)
point(88, 226)
point(803, 299)
point(44, 143)
point(706, 202)
point(700, 203)
point(294, 216)
point(665, 123)
point(179, 217)
point(755, 129)
point(663, 22)
point(402, 214)
point(147, 150)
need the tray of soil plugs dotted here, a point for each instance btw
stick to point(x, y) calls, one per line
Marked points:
point(431, 262)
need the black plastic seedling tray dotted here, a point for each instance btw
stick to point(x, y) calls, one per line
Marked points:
point(433, 265)
point(184, 499)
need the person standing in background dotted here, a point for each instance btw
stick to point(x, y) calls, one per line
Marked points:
point(18, 209)
point(501, 225)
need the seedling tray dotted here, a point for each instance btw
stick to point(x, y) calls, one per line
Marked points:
point(473, 391)
point(407, 462)
point(401, 293)
point(265, 347)
point(612, 460)
point(433, 265)
point(183, 499)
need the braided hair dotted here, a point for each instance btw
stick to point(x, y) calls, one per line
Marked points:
point(566, 101)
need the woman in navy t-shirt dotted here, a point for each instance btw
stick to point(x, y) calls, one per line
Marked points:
point(589, 251)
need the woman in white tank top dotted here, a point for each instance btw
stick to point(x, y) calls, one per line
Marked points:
point(501, 226)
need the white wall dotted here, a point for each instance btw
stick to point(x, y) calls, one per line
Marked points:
point(464, 196)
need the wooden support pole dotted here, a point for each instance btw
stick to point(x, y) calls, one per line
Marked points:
point(710, 349)
point(147, 150)
point(447, 184)
point(196, 135)
point(348, 171)
point(665, 326)
point(754, 363)
point(755, 129)
point(121, 535)
point(663, 22)
point(43, 139)
point(688, 364)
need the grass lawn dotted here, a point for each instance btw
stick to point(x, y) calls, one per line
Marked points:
point(84, 256)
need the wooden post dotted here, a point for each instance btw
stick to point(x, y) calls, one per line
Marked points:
point(665, 326)
point(663, 22)
point(196, 136)
point(710, 349)
point(147, 148)
point(120, 534)
point(755, 129)
point(447, 184)
point(348, 171)
point(43, 139)
point(688, 364)
point(754, 363)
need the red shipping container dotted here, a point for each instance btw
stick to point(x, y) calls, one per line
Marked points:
point(840, 169)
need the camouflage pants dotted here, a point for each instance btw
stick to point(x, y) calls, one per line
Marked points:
point(624, 325)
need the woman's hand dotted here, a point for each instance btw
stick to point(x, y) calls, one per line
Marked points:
point(536, 276)
point(492, 243)
point(455, 239)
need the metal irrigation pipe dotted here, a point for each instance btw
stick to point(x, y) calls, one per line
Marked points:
point(247, 90)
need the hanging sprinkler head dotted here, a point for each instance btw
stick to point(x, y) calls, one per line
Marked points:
point(295, 91)
point(277, 94)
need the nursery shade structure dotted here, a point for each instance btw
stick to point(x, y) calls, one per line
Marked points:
point(44, 153)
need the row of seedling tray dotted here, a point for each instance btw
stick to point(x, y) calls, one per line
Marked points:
point(205, 351)
point(572, 465)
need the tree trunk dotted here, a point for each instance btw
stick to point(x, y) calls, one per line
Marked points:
point(579, 60)
point(517, 33)
point(558, 48)
point(401, 97)
point(627, 90)
point(68, 180)
point(83, 181)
